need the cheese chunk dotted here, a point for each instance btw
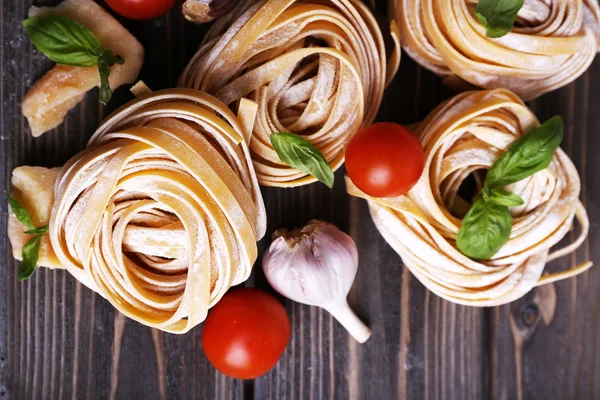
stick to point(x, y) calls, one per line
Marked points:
point(34, 189)
point(49, 99)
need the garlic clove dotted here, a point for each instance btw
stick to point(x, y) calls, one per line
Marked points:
point(316, 265)
point(281, 269)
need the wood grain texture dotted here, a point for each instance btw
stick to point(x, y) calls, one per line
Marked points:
point(58, 340)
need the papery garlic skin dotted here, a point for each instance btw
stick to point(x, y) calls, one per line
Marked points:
point(316, 268)
point(316, 265)
point(203, 11)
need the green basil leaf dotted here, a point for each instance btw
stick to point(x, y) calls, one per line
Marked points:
point(297, 152)
point(30, 254)
point(20, 212)
point(63, 40)
point(484, 230)
point(502, 197)
point(527, 155)
point(486, 192)
point(38, 231)
point(104, 71)
point(68, 42)
point(111, 59)
point(104, 63)
point(497, 16)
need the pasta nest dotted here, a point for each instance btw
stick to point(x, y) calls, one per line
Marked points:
point(553, 43)
point(315, 68)
point(461, 137)
point(161, 213)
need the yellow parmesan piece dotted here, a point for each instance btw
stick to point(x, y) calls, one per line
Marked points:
point(49, 99)
point(34, 190)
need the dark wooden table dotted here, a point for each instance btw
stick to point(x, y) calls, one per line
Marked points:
point(60, 340)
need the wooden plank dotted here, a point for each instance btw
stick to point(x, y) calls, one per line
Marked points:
point(441, 345)
point(59, 340)
point(546, 345)
point(421, 346)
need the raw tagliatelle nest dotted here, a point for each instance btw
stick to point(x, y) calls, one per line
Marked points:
point(553, 42)
point(464, 136)
point(316, 68)
point(161, 213)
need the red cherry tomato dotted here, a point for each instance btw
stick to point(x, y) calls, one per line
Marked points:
point(246, 333)
point(141, 9)
point(385, 160)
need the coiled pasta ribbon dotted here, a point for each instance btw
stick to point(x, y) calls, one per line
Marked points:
point(161, 213)
point(553, 42)
point(464, 136)
point(315, 68)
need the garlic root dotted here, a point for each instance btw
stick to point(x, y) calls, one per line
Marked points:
point(350, 321)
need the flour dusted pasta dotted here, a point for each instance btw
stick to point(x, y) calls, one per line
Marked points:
point(553, 43)
point(315, 68)
point(161, 213)
point(464, 136)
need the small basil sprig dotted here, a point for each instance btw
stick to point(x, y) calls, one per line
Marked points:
point(297, 152)
point(497, 16)
point(31, 250)
point(484, 230)
point(67, 42)
point(501, 197)
point(487, 225)
point(527, 155)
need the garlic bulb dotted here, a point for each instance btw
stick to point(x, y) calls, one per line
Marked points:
point(316, 265)
point(202, 11)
